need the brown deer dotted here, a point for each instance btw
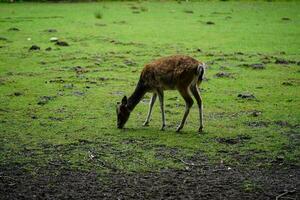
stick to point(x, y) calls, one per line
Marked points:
point(179, 72)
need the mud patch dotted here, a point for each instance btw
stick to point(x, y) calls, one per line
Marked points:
point(45, 99)
point(282, 61)
point(224, 75)
point(197, 182)
point(235, 140)
point(258, 124)
point(163, 152)
point(254, 65)
point(285, 124)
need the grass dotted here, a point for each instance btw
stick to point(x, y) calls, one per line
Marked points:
point(75, 126)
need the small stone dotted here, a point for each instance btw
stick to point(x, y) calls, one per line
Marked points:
point(62, 43)
point(48, 49)
point(53, 39)
point(246, 96)
point(34, 48)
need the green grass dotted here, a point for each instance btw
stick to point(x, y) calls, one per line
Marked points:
point(77, 127)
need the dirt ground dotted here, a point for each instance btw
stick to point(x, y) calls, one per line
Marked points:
point(199, 180)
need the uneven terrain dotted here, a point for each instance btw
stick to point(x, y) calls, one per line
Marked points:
point(64, 66)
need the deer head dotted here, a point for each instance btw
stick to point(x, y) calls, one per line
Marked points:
point(122, 113)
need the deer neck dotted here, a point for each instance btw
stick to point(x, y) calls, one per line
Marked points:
point(136, 96)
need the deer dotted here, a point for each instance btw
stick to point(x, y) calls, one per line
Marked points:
point(178, 72)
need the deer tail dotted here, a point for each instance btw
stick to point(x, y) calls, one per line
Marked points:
point(200, 71)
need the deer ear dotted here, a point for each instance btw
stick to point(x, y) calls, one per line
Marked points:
point(124, 100)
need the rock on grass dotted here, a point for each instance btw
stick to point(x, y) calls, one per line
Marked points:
point(53, 39)
point(34, 48)
point(246, 96)
point(62, 43)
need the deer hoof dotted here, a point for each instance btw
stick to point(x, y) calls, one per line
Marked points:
point(146, 124)
point(200, 129)
point(178, 128)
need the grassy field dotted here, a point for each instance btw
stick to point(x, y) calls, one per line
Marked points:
point(57, 103)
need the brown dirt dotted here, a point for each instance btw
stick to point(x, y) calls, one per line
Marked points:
point(197, 181)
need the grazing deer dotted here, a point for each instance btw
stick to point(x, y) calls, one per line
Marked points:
point(179, 72)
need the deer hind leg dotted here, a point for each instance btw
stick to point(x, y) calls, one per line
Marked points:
point(152, 101)
point(188, 104)
point(161, 101)
point(195, 91)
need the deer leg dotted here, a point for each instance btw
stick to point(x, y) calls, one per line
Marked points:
point(161, 101)
point(195, 91)
point(188, 104)
point(152, 101)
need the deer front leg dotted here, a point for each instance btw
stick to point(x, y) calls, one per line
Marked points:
point(152, 101)
point(161, 101)
point(196, 93)
point(188, 104)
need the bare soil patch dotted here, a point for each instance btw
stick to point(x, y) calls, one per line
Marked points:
point(195, 182)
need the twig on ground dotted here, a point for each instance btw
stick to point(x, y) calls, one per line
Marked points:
point(190, 164)
point(285, 193)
